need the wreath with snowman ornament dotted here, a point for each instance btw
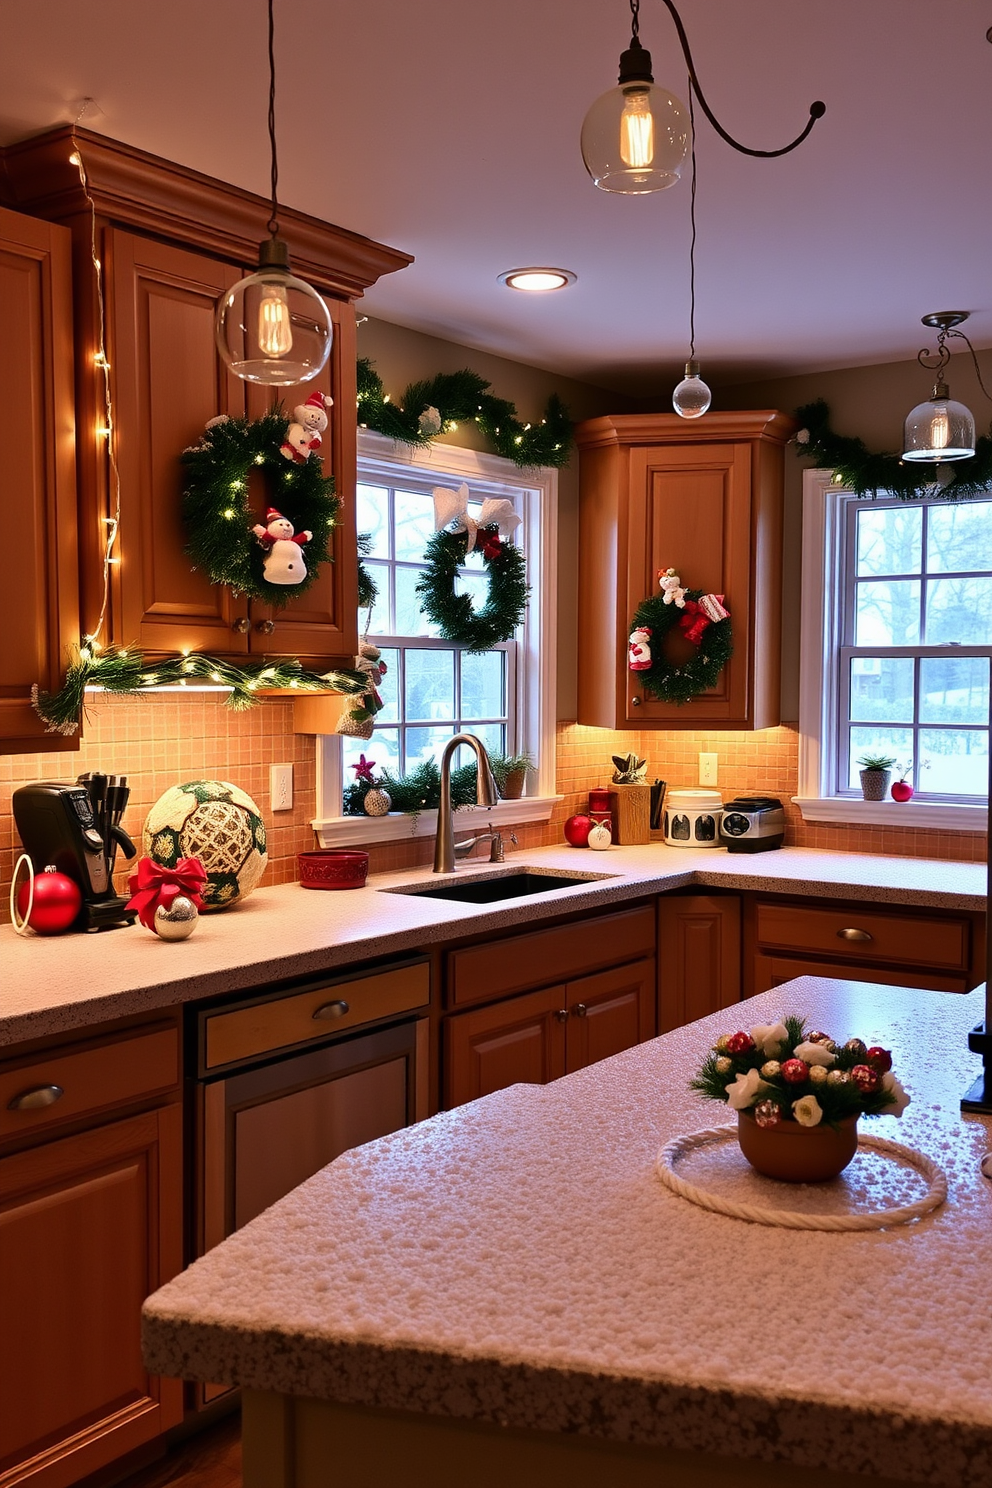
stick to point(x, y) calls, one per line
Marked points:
point(703, 620)
point(459, 533)
point(280, 557)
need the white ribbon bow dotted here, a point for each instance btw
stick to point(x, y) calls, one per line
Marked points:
point(451, 513)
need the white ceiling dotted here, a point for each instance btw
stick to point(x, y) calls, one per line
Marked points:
point(451, 131)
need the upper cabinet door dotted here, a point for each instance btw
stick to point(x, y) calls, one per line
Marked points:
point(41, 613)
point(167, 381)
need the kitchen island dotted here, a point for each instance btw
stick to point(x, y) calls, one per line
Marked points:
point(507, 1293)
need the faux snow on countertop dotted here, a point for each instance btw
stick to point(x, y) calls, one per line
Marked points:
point(517, 1260)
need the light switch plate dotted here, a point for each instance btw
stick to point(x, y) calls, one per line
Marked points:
point(707, 769)
point(281, 787)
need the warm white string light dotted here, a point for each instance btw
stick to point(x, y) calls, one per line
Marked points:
point(112, 523)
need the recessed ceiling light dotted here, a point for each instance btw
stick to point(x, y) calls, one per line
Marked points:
point(537, 281)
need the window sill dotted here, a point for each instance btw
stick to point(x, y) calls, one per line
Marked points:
point(362, 831)
point(935, 815)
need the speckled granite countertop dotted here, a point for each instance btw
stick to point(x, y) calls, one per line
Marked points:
point(61, 983)
point(517, 1260)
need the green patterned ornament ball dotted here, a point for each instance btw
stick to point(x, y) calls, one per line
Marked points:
point(216, 822)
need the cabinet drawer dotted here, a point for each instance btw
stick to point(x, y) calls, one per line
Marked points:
point(855, 935)
point(771, 971)
point(89, 1079)
point(523, 961)
point(272, 1023)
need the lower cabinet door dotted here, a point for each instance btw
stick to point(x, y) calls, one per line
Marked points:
point(772, 971)
point(519, 1040)
point(89, 1226)
point(699, 956)
point(609, 1012)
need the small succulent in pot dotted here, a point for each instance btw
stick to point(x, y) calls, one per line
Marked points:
point(510, 773)
point(875, 770)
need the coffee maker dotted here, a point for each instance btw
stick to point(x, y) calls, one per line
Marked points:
point(76, 829)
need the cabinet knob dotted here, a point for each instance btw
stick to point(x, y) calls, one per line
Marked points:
point(265, 627)
point(242, 625)
point(329, 1010)
point(580, 1010)
point(561, 1014)
point(635, 702)
point(854, 935)
point(37, 1098)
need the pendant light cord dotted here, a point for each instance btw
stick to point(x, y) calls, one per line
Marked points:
point(273, 223)
point(692, 240)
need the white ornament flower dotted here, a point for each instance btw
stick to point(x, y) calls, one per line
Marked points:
point(769, 1037)
point(815, 1054)
point(894, 1088)
point(808, 1111)
point(745, 1090)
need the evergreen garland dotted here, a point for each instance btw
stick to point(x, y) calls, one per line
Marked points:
point(460, 397)
point(869, 474)
point(124, 670)
point(368, 589)
point(454, 614)
point(418, 791)
point(218, 514)
point(679, 684)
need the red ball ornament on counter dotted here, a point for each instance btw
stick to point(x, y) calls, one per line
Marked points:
point(577, 830)
point(901, 790)
point(795, 1071)
point(57, 902)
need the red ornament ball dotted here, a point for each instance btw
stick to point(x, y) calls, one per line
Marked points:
point(740, 1043)
point(57, 902)
point(795, 1071)
point(816, 1037)
point(879, 1058)
point(577, 830)
point(865, 1078)
point(767, 1113)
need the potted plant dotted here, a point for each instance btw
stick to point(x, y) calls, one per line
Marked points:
point(798, 1096)
point(510, 773)
point(875, 770)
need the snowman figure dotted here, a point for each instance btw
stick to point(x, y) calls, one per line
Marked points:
point(283, 562)
point(303, 435)
point(671, 588)
point(639, 649)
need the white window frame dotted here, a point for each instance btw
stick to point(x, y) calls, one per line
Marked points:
point(819, 681)
point(535, 679)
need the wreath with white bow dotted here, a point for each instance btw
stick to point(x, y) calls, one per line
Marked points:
point(458, 533)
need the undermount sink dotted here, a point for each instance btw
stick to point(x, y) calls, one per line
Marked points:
point(501, 886)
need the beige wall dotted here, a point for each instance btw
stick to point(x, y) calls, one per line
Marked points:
point(402, 356)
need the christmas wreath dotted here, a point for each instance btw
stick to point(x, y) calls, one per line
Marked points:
point(454, 614)
point(867, 473)
point(281, 559)
point(701, 618)
point(428, 409)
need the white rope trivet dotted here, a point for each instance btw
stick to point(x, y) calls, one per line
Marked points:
point(791, 1219)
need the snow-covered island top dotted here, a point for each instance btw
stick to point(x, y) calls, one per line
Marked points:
point(517, 1260)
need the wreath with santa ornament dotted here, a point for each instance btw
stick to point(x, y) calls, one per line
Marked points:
point(460, 532)
point(280, 557)
point(704, 621)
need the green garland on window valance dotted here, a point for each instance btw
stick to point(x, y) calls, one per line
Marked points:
point(871, 474)
point(428, 409)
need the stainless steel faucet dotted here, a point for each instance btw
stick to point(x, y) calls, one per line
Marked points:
point(486, 794)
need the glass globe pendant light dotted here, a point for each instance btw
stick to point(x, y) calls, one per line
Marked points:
point(272, 327)
point(940, 430)
point(635, 137)
point(692, 397)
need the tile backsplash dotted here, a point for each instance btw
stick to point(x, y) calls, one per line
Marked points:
point(160, 740)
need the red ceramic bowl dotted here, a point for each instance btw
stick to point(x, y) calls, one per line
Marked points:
point(333, 868)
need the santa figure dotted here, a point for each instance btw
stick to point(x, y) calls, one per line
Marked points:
point(283, 562)
point(303, 435)
point(639, 649)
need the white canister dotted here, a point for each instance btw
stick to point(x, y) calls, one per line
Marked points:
point(692, 818)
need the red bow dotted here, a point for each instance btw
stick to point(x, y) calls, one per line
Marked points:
point(491, 547)
point(698, 615)
point(153, 885)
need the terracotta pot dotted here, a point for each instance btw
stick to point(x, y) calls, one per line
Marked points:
point(874, 784)
point(513, 786)
point(798, 1154)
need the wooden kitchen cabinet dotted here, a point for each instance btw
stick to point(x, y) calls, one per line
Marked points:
point(171, 241)
point(699, 956)
point(703, 498)
point(41, 613)
point(90, 1224)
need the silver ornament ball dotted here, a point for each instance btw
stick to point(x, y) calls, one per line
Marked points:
point(178, 920)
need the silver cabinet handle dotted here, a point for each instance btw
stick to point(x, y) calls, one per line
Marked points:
point(329, 1010)
point(635, 702)
point(580, 1010)
point(36, 1099)
point(561, 1014)
point(265, 627)
point(242, 625)
point(854, 935)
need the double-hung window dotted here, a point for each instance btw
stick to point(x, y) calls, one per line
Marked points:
point(432, 688)
point(896, 646)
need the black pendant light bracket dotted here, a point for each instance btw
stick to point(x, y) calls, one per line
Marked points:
point(944, 322)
